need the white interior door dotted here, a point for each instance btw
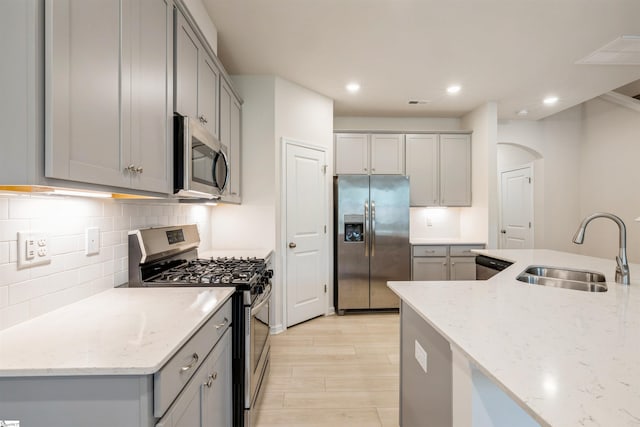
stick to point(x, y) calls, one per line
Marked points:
point(306, 208)
point(516, 209)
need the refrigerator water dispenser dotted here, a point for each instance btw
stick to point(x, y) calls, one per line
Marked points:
point(353, 228)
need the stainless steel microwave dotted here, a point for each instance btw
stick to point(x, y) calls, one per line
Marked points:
point(201, 168)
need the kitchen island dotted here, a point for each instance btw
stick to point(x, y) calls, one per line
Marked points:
point(566, 357)
point(122, 357)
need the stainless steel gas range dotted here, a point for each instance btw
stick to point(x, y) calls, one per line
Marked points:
point(168, 256)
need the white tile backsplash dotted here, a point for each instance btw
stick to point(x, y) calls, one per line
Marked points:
point(72, 275)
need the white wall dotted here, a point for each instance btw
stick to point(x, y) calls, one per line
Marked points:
point(253, 223)
point(480, 221)
point(609, 176)
point(556, 176)
point(273, 109)
point(435, 223)
point(590, 155)
point(304, 116)
point(72, 275)
point(396, 124)
point(201, 16)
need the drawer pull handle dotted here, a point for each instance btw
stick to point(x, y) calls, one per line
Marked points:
point(210, 379)
point(222, 324)
point(195, 359)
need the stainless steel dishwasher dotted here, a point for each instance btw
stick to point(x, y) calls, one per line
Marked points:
point(487, 267)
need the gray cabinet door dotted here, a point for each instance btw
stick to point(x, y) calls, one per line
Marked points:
point(430, 268)
point(82, 92)
point(208, 82)
point(216, 390)
point(149, 53)
point(455, 170)
point(463, 268)
point(187, 62)
point(206, 399)
point(423, 168)
point(197, 78)
point(230, 135)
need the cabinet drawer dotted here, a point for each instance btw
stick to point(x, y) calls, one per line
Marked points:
point(430, 250)
point(464, 250)
point(173, 376)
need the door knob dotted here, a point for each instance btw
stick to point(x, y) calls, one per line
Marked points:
point(292, 245)
point(503, 231)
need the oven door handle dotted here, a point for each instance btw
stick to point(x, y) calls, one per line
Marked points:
point(257, 308)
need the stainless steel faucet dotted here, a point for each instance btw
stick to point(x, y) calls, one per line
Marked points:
point(622, 269)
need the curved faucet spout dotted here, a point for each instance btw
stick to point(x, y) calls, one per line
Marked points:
point(622, 268)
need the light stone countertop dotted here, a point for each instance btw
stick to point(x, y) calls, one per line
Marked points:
point(121, 331)
point(444, 241)
point(569, 358)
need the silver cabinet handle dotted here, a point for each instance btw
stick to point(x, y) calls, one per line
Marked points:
point(210, 379)
point(373, 228)
point(365, 238)
point(134, 169)
point(218, 326)
point(292, 245)
point(194, 359)
point(203, 119)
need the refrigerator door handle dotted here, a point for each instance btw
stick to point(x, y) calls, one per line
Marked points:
point(373, 228)
point(366, 228)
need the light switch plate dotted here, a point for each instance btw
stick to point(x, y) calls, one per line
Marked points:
point(421, 356)
point(92, 244)
point(33, 249)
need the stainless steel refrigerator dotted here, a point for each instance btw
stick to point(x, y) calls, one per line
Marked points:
point(371, 240)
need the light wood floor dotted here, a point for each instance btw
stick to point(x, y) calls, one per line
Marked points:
point(334, 371)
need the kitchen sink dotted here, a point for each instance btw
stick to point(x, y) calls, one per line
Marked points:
point(581, 280)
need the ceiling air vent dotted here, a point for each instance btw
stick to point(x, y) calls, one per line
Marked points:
point(625, 50)
point(418, 101)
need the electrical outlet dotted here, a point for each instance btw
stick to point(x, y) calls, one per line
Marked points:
point(421, 356)
point(92, 243)
point(33, 249)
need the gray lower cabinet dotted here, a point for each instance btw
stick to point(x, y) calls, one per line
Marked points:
point(194, 388)
point(206, 400)
point(425, 373)
point(444, 262)
point(108, 92)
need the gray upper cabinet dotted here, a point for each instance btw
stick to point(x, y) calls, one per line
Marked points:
point(375, 154)
point(230, 136)
point(439, 169)
point(82, 82)
point(108, 92)
point(423, 169)
point(197, 78)
point(149, 124)
point(455, 170)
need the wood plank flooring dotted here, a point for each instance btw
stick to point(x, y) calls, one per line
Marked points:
point(334, 371)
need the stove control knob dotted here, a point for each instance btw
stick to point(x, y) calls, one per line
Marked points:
point(259, 289)
point(269, 273)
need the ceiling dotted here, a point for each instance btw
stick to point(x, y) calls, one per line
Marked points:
point(513, 52)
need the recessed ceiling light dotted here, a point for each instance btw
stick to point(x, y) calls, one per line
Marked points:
point(550, 100)
point(353, 87)
point(454, 89)
point(522, 112)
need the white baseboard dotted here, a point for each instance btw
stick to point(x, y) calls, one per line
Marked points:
point(331, 312)
point(277, 329)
